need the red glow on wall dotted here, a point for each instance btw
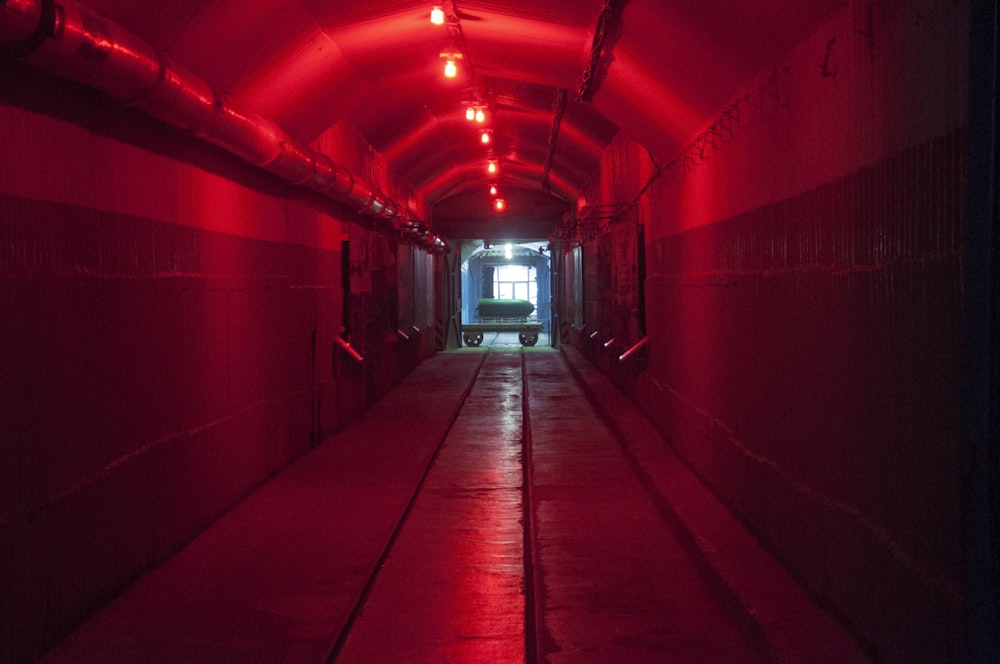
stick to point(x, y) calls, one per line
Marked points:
point(300, 89)
point(531, 50)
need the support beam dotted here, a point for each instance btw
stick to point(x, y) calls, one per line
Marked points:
point(559, 107)
point(609, 25)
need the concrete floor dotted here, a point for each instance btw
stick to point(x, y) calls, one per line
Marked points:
point(418, 535)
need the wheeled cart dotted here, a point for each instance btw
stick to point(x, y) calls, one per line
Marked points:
point(527, 333)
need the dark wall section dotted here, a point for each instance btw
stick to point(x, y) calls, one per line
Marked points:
point(152, 374)
point(168, 319)
point(378, 311)
point(803, 303)
point(814, 386)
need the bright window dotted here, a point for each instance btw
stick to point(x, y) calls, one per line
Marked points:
point(517, 282)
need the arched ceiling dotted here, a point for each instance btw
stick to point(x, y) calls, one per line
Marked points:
point(662, 69)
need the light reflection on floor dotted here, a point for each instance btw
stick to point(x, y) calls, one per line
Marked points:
point(451, 588)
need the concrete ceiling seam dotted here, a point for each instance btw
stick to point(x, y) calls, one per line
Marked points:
point(560, 109)
point(609, 25)
point(78, 44)
point(554, 164)
point(656, 72)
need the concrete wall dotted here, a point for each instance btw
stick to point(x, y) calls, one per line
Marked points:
point(167, 320)
point(803, 307)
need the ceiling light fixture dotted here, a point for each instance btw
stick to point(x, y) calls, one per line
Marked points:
point(499, 205)
point(475, 112)
point(486, 136)
point(451, 63)
point(492, 167)
point(493, 190)
point(437, 16)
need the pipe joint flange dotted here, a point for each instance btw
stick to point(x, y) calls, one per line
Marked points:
point(44, 29)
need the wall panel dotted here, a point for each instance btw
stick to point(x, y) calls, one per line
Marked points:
point(808, 357)
point(168, 317)
point(153, 374)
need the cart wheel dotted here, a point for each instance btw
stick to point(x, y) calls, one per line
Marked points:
point(527, 339)
point(473, 340)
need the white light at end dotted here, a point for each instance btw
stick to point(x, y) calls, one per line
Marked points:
point(437, 16)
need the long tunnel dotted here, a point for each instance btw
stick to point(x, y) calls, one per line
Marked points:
point(498, 331)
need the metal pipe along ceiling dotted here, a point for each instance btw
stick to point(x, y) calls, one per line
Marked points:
point(72, 41)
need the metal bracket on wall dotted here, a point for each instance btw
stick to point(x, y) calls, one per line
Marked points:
point(594, 220)
point(634, 349)
point(825, 65)
point(700, 143)
point(769, 90)
point(349, 349)
point(867, 20)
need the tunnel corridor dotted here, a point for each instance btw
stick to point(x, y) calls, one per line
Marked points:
point(717, 278)
point(521, 524)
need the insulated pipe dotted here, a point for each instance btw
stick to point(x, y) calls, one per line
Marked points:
point(182, 100)
point(71, 40)
point(25, 24)
point(330, 178)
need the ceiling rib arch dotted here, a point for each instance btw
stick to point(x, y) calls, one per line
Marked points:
point(656, 71)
